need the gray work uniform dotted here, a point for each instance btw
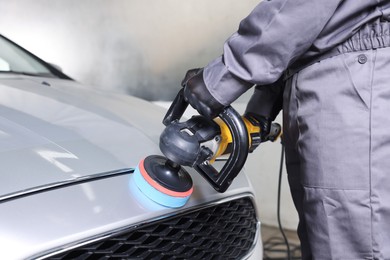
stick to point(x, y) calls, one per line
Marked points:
point(331, 62)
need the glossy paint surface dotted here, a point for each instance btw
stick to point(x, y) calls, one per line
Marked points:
point(55, 131)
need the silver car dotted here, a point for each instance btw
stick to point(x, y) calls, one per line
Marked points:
point(67, 155)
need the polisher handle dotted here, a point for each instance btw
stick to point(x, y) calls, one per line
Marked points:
point(240, 145)
point(222, 180)
point(177, 108)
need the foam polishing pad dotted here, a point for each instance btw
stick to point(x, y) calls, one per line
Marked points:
point(163, 181)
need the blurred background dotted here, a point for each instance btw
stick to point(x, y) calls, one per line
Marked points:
point(143, 48)
point(138, 47)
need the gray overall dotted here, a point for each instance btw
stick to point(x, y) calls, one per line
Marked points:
point(336, 116)
point(336, 113)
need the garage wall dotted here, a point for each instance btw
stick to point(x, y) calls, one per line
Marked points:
point(142, 48)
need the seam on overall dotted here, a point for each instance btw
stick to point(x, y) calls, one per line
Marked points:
point(331, 188)
point(370, 149)
point(352, 81)
point(294, 88)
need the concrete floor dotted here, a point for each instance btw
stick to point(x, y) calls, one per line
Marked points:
point(274, 245)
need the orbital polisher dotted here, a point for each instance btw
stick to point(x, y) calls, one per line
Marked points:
point(196, 143)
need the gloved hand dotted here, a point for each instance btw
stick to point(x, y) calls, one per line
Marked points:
point(268, 131)
point(198, 96)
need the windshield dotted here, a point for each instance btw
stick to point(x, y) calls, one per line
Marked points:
point(14, 59)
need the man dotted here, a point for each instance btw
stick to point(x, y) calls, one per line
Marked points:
point(331, 62)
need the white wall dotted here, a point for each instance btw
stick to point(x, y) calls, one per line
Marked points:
point(140, 47)
point(143, 48)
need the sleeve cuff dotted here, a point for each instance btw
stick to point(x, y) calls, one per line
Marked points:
point(223, 85)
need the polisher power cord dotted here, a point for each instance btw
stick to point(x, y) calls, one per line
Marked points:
point(273, 244)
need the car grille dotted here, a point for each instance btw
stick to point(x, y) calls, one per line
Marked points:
point(221, 231)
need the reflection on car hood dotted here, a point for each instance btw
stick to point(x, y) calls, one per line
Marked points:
point(55, 130)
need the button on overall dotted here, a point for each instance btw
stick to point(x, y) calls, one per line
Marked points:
point(362, 58)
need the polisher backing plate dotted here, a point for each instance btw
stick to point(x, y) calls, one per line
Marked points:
point(162, 183)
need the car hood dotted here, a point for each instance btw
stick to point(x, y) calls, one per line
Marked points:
point(54, 130)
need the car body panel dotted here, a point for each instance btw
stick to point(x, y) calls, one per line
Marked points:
point(65, 138)
point(67, 154)
point(82, 211)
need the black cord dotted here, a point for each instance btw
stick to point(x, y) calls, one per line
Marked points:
point(275, 244)
point(278, 207)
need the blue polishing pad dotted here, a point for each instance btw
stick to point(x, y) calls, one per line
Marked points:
point(156, 195)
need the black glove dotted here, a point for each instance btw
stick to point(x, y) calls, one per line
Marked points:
point(268, 131)
point(198, 96)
